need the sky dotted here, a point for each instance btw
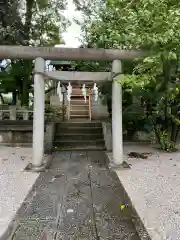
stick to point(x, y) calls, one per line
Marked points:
point(73, 32)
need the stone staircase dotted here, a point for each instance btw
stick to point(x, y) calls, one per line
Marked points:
point(78, 135)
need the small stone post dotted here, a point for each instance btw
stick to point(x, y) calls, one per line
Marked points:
point(12, 112)
point(1, 115)
point(117, 132)
point(38, 116)
point(49, 137)
point(26, 114)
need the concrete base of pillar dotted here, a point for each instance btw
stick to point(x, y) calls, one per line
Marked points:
point(114, 166)
point(31, 168)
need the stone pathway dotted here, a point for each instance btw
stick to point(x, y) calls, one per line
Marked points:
point(77, 198)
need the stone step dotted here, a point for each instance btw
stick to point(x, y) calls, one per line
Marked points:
point(18, 128)
point(78, 116)
point(93, 144)
point(79, 130)
point(17, 144)
point(78, 124)
point(82, 137)
point(79, 142)
point(80, 148)
point(79, 135)
point(16, 122)
point(79, 145)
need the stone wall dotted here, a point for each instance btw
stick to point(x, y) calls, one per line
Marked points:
point(49, 137)
point(107, 132)
point(55, 102)
point(139, 136)
point(20, 134)
point(15, 113)
point(98, 110)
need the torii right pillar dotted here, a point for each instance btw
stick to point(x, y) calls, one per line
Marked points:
point(117, 131)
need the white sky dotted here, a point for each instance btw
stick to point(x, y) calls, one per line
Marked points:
point(73, 32)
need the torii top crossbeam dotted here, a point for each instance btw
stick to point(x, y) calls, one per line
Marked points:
point(55, 53)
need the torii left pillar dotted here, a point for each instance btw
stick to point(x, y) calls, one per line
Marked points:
point(38, 116)
point(117, 132)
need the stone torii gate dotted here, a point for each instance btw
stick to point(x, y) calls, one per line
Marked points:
point(40, 54)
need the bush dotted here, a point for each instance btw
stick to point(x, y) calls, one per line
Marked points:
point(55, 114)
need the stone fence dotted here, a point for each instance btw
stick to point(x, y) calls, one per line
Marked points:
point(139, 136)
point(19, 133)
point(13, 113)
point(16, 127)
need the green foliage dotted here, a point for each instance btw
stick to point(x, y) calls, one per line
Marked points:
point(32, 22)
point(55, 114)
point(166, 144)
point(152, 81)
point(46, 22)
point(13, 77)
point(141, 24)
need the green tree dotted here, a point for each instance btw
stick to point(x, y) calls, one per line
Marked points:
point(38, 23)
point(153, 26)
point(42, 25)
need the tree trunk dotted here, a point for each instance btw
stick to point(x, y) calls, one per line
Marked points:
point(28, 18)
point(26, 82)
point(109, 106)
point(25, 93)
point(167, 79)
point(14, 98)
point(2, 99)
point(27, 63)
point(148, 108)
point(177, 133)
point(166, 112)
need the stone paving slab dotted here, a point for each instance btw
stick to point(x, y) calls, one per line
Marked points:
point(77, 198)
point(108, 195)
point(60, 161)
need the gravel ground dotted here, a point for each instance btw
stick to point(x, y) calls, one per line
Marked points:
point(153, 185)
point(14, 183)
